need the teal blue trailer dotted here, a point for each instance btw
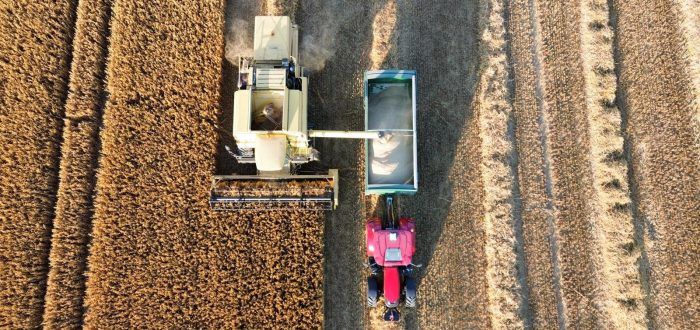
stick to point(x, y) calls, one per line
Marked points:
point(390, 107)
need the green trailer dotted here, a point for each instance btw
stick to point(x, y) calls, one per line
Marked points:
point(390, 108)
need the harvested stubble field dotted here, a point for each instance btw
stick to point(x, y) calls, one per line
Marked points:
point(558, 154)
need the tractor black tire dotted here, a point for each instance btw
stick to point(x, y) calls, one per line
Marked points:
point(372, 292)
point(411, 294)
point(373, 267)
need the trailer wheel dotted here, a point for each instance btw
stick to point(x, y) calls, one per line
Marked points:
point(411, 294)
point(372, 292)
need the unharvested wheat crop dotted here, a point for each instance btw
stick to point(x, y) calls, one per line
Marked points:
point(71, 224)
point(35, 60)
point(158, 254)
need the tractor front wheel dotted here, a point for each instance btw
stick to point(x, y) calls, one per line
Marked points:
point(411, 296)
point(372, 292)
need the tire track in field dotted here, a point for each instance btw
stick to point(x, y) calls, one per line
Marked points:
point(656, 98)
point(79, 153)
point(543, 130)
point(539, 235)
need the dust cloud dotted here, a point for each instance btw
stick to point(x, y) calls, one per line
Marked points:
point(317, 38)
point(240, 18)
point(239, 40)
point(317, 44)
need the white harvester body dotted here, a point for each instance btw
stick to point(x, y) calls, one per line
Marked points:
point(272, 80)
point(270, 122)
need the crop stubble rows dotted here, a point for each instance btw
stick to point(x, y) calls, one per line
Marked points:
point(612, 224)
point(502, 221)
point(544, 303)
point(657, 100)
point(449, 208)
point(568, 144)
point(593, 249)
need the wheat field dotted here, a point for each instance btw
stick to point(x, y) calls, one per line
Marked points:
point(35, 58)
point(559, 157)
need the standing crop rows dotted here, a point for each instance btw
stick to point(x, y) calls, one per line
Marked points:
point(35, 60)
point(158, 254)
point(71, 224)
point(156, 157)
point(258, 269)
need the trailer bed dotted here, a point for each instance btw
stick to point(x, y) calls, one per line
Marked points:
point(390, 106)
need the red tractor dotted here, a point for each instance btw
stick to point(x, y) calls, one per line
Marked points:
point(390, 248)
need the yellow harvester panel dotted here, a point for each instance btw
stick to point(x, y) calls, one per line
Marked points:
point(272, 38)
point(295, 112)
point(241, 110)
point(304, 103)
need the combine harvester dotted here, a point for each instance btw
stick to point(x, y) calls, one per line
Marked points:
point(271, 131)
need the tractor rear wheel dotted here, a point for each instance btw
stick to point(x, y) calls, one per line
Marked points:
point(411, 296)
point(372, 292)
